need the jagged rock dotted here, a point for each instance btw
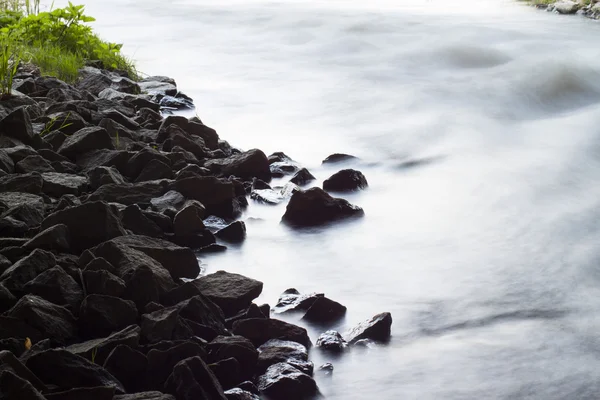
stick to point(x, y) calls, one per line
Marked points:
point(331, 341)
point(325, 310)
point(14, 387)
point(99, 349)
point(136, 221)
point(231, 292)
point(160, 325)
point(102, 315)
point(67, 201)
point(34, 163)
point(7, 299)
point(24, 183)
point(67, 371)
point(248, 165)
point(251, 312)
point(17, 125)
point(162, 362)
point(58, 184)
point(100, 176)
point(238, 347)
point(210, 191)
point(277, 351)
point(239, 394)
point(26, 269)
point(233, 233)
point(154, 170)
point(99, 264)
point(338, 158)
point(104, 158)
point(377, 328)
point(292, 300)
point(6, 163)
point(192, 379)
point(302, 177)
point(145, 396)
point(15, 199)
point(103, 283)
point(315, 207)
point(188, 221)
point(172, 200)
point(54, 322)
point(281, 169)
point(85, 140)
point(128, 194)
point(142, 158)
point(227, 372)
point(54, 238)
point(259, 331)
point(326, 369)
point(56, 286)
point(565, 7)
point(129, 366)
point(282, 381)
point(92, 393)
point(346, 180)
point(95, 219)
point(17, 153)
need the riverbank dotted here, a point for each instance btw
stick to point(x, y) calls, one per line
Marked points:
point(587, 8)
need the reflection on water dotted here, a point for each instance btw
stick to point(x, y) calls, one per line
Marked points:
point(477, 125)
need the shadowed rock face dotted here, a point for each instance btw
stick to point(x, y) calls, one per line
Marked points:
point(282, 381)
point(314, 207)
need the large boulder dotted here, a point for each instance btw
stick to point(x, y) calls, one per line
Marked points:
point(302, 177)
point(346, 180)
point(188, 221)
point(209, 191)
point(103, 282)
point(277, 351)
point(55, 238)
point(98, 350)
point(282, 381)
point(233, 233)
point(377, 328)
point(238, 347)
point(171, 200)
point(259, 331)
point(33, 163)
point(24, 183)
point(227, 372)
point(192, 379)
point(231, 292)
point(325, 310)
point(17, 125)
point(89, 224)
point(129, 366)
point(102, 315)
point(127, 194)
point(14, 387)
point(566, 7)
point(67, 370)
point(331, 341)
point(16, 277)
point(85, 140)
point(136, 221)
point(155, 170)
point(100, 176)
point(292, 301)
point(54, 322)
point(315, 207)
point(250, 164)
point(58, 287)
point(58, 184)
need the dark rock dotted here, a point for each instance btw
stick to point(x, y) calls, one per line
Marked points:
point(164, 222)
point(21, 219)
point(154, 170)
point(377, 328)
point(67, 201)
point(188, 221)
point(6, 163)
point(98, 350)
point(14, 387)
point(233, 233)
point(171, 200)
point(14, 199)
point(238, 347)
point(54, 238)
point(102, 315)
point(25, 183)
point(15, 346)
point(89, 224)
point(282, 381)
point(331, 341)
point(56, 286)
point(258, 184)
point(7, 299)
point(100, 176)
point(104, 158)
point(55, 322)
point(302, 177)
point(33, 164)
point(251, 312)
point(85, 140)
point(152, 307)
point(26, 269)
point(160, 325)
point(239, 394)
point(17, 125)
point(281, 169)
point(292, 300)
point(338, 158)
point(161, 363)
point(326, 369)
point(17, 153)
point(142, 158)
point(145, 396)
point(138, 193)
point(260, 330)
point(104, 283)
point(249, 387)
point(58, 184)
point(248, 165)
point(192, 379)
point(16, 328)
point(278, 351)
point(279, 157)
point(67, 370)
point(129, 366)
point(99, 264)
point(315, 207)
point(136, 221)
point(92, 393)
point(325, 310)
point(227, 372)
point(51, 155)
point(231, 292)
point(346, 180)
point(211, 248)
point(55, 139)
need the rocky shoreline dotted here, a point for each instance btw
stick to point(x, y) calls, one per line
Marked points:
point(587, 8)
point(105, 205)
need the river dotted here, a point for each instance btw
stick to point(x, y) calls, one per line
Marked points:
point(478, 126)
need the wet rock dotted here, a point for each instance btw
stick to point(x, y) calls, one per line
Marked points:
point(325, 310)
point(216, 195)
point(249, 386)
point(251, 312)
point(57, 184)
point(338, 158)
point(95, 219)
point(56, 286)
point(565, 7)
point(192, 379)
point(377, 328)
point(127, 194)
point(17, 125)
point(326, 369)
point(346, 180)
point(92, 393)
point(54, 322)
point(136, 221)
point(161, 363)
point(172, 200)
point(26, 269)
point(54, 238)
point(281, 169)
point(227, 372)
point(282, 381)
point(233, 233)
point(278, 351)
point(188, 220)
point(315, 207)
point(331, 341)
point(129, 366)
point(98, 350)
point(103, 283)
point(231, 292)
point(238, 347)
point(33, 164)
point(239, 394)
point(248, 165)
point(67, 371)
point(85, 140)
point(291, 301)
point(267, 196)
point(302, 177)
point(260, 330)
point(145, 396)
point(14, 387)
point(102, 315)
point(24, 183)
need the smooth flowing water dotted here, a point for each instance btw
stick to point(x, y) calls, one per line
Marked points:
point(478, 126)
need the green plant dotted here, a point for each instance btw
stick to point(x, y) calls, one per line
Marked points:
point(50, 124)
point(94, 353)
point(117, 138)
point(9, 63)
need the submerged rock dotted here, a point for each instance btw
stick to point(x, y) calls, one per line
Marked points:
point(331, 341)
point(377, 328)
point(338, 158)
point(346, 180)
point(282, 381)
point(291, 300)
point(260, 331)
point(315, 207)
point(277, 351)
point(324, 310)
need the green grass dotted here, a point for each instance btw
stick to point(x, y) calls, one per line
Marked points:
point(53, 60)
